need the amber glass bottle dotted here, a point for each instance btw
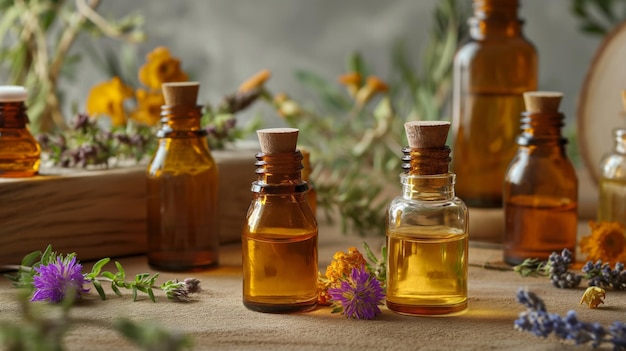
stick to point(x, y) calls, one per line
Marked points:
point(427, 230)
point(19, 151)
point(306, 176)
point(182, 188)
point(612, 202)
point(540, 187)
point(279, 242)
point(491, 71)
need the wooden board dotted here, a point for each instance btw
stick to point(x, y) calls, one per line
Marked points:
point(102, 213)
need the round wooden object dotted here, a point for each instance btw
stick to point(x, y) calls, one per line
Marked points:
point(181, 93)
point(12, 93)
point(426, 134)
point(600, 107)
point(542, 101)
point(278, 140)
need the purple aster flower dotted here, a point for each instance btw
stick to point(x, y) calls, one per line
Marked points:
point(54, 280)
point(359, 294)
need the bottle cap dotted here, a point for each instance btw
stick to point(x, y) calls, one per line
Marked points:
point(542, 101)
point(12, 93)
point(426, 134)
point(180, 93)
point(278, 140)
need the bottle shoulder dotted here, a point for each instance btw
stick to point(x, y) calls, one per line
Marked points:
point(613, 166)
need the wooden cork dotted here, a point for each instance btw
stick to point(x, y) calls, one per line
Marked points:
point(181, 93)
point(426, 134)
point(278, 140)
point(542, 101)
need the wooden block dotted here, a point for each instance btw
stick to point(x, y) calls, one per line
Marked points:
point(102, 213)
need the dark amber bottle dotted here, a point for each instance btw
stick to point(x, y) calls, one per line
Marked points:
point(182, 187)
point(541, 187)
point(491, 71)
point(427, 229)
point(279, 242)
point(19, 151)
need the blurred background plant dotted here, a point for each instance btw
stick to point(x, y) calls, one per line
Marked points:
point(598, 17)
point(355, 134)
point(36, 38)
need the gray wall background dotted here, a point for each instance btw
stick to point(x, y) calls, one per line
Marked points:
point(221, 42)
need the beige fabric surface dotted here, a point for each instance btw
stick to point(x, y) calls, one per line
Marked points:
point(217, 320)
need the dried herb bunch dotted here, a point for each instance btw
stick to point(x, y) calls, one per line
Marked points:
point(355, 134)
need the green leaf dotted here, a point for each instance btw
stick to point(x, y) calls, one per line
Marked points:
point(328, 93)
point(116, 290)
point(134, 294)
point(108, 275)
point(120, 269)
point(98, 286)
point(151, 295)
point(97, 267)
point(31, 258)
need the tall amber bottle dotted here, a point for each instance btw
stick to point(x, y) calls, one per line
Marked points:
point(306, 176)
point(491, 71)
point(541, 187)
point(279, 242)
point(19, 151)
point(182, 187)
point(427, 229)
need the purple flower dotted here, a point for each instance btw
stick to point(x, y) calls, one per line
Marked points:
point(359, 294)
point(53, 281)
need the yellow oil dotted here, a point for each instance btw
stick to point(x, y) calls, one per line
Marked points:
point(427, 270)
point(612, 203)
point(485, 143)
point(280, 270)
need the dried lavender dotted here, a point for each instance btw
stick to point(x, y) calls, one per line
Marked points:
point(558, 270)
point(601, 275)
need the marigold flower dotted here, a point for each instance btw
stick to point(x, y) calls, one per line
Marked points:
point(352, 81)
point(148, 107)
point(255, 81)
point(593, 296)
point(323, 297)
point(161, 67)
point(606, 242)
point(359, 294)
point(342, 264)
point(107, 99)
point(53, 281)
point(372, 86)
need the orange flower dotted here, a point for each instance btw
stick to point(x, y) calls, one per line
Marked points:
point(606, 242)
point(342, 264)
point(107, 99)
point(372, 86)
point(255, 81)
point(161, 67)
point(352, 81)
point(148, 107)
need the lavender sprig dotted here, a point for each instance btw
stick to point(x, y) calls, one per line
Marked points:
point(601, 275)
point(539, 322)
point(557, 268)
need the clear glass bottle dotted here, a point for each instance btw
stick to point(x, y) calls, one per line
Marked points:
point(279, 243)
point(427, 230)
point(19, 151)
point(491, 71)
point(306, 175)
point(541, 186)
point(612, 202)
point(183, 230)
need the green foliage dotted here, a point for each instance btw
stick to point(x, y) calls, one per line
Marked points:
point(598, 17)
point(532, 267)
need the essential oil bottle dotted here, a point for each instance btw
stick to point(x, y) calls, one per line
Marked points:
point(279, 241)
point(427, 229)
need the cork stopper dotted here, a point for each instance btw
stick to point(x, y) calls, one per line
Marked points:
point(542, 101)
point(278, 140)
point(181, 93)
point(426, 134)
point(12, 93)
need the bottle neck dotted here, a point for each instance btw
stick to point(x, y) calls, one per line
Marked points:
point(619, 136)
point(426, 161)
point(279, 173)
point(181, 121)
point(541, 129)
point(13, 115)
point(495, 18)
point(428, 187)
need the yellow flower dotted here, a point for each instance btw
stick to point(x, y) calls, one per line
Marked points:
point(286, 107)
point(342, 264)
point(323, 297)
point(352, 81)
point(255, 81)
point(372, 86)
point(161, 67)
point(593, 296)
point(148, 107)
point(107, 99)
point(606, 242)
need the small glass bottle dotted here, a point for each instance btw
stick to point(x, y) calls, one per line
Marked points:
point(490, 73)
point(612, 202)
point(540, 188)
point(306, 174)
point(19, 151)
point(182, 187)
point(279, 242)
point(427, 229)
